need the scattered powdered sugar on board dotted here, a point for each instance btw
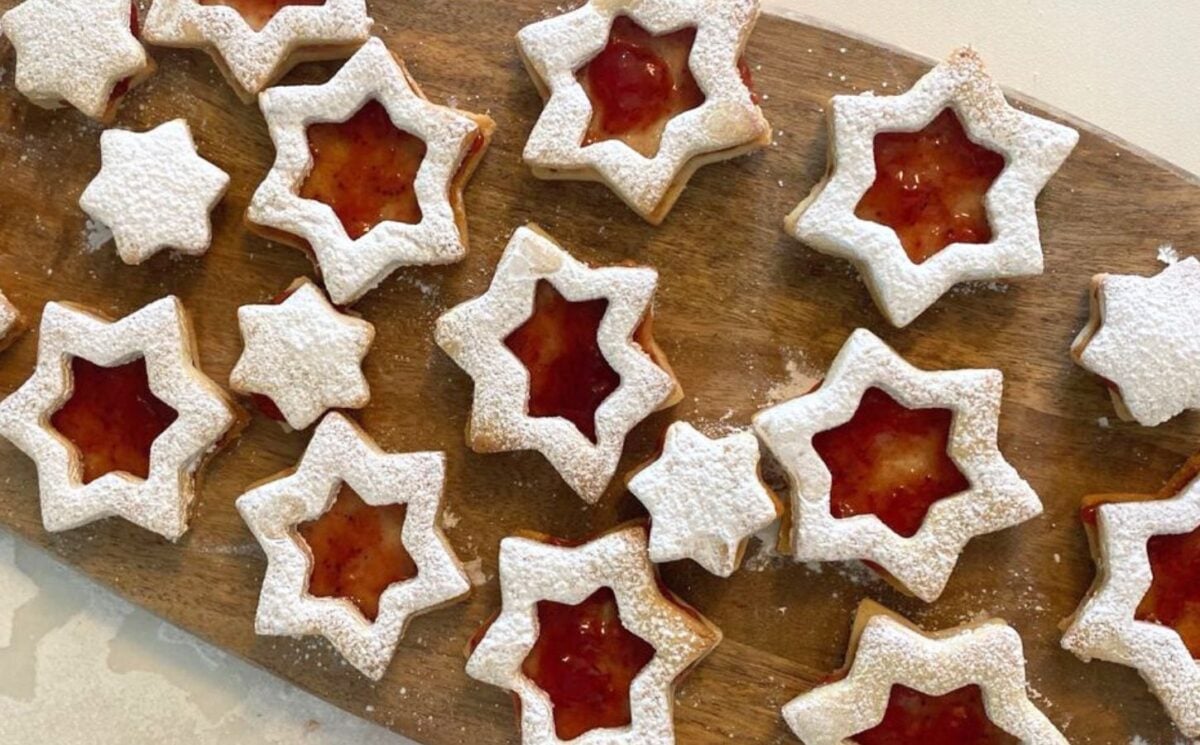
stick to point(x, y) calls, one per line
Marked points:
point(973, 288)
point(801, 377)
point(450, 520)
point(1168, 254)
point(475, 572)
point(95, 235)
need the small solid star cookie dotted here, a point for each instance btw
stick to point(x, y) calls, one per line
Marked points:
point(977, 671)
point(253, 48)
point(705, 498)
point(340, 456)
point(933, 187)
point(562, 359)
point(1141, 339)
point(419, 219)
point(303, 355)
point(83, 52)
point(641, 93)
point(154, 191)
point(142, 373)
point(895, 465)
point(11, 323)
point(538, 577)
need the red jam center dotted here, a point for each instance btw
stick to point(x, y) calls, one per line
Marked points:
point(357, 551)
point(259, 12)
point(957, 718)
point(112, 418)
point(364, 168)
point(1174, 596)
point(890, 461)
point(585, 660)
point(929, 187)
point(638, 83)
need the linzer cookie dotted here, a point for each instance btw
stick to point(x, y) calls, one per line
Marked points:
point(563, 358)
point(118, 417)
point(84, 53)
point(642, 93)
point(961, 685)
point(354, 548)
point(895, 465)
point(933, 187)
point(368, 175)
point(11, 323)
point(588, 640)
point(255, 42)
point(1141, 339)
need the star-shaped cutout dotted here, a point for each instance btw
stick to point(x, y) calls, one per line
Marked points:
point(1142, 338)
point(1106, 626)
point(352, 267)
point(1033, 147)
point(254, 58)
point(474, 334)
point(705, 498)
point(727, 124)
point(996, 497)
point(303, 355)
point(76, 51)
point(342, 454)
point(888, 651)
point(160, 334)
point(532, 571)
point(154, 191)
point(10, 322)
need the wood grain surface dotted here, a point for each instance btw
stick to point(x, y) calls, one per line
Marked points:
point(743, 312)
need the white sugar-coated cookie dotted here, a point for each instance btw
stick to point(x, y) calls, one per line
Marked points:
point(729, 122)
point(1033, 147)
point(161, 334)
point(1142, 338)
point(886, 650)
point(532, 571)
point(10, 322)
point(154, 191)
point(341, 453)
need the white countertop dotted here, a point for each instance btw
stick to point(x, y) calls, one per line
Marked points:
point(82, 666)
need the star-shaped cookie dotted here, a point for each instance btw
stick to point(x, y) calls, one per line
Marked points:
point(705, 498)
point(454, 141)
point(533, 571)
point(161, 335)
point(1032, 147)
point(11, 324)
point(83, 52)
point(887, 652)
point(993, 496)
point(1142, 339)
point(474, 334)
point(154, 191)
point(256, 49)
point(342, 454)
point(728, 122)
point(303, 355)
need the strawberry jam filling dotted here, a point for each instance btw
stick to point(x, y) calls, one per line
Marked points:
point(585, 660)
point(1173, 599)
point(890, 461)
point(258, 13)
point(956, 718)
point(357, 551)
point(930, 185)
point(122, 87)
point(112, 418)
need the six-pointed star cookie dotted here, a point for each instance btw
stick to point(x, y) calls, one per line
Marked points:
point(303, 355)
point(454, 142)
point(342, 454)
point(532, 571)
point(10, 322)
point(705, 498)
point(256, 49)
point(994, 497)
point(161, 335)
point(474, 334)
point(76, 51)
point(1034, 148)
point(1142, 338)
point(728, 123)
point(1108, 625)
point(887, 651)
point(154, 191)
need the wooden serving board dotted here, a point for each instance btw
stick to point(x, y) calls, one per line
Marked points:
point(743, 312)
